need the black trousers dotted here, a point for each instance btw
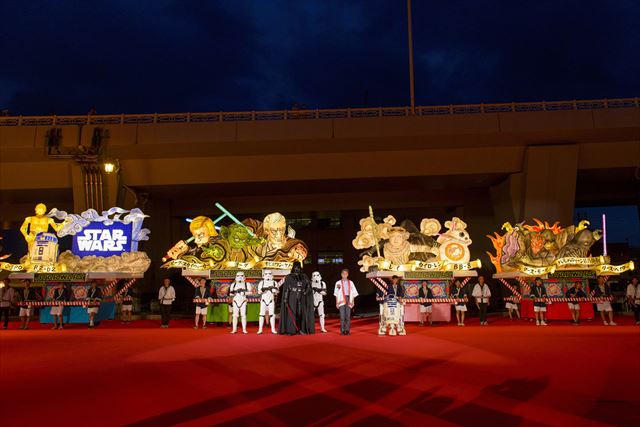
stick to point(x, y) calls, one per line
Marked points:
point(165, 313)
point(483, 311)
point(4, 313)
point(345, 319)
point(636, 312)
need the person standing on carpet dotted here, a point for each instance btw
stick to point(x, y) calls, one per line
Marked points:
point(7, 298)
point(604, 291)
point(166, 295)
point(539, 295)
point(126, 308)
point(482, 293)
point(426, 308)
point(94, 296)
point(633, 298)
point(26, 296)
point(458, 291)
point(202, 292)
point(296, 304)
point(59, 296)
point(345, 292)
point(574, 307)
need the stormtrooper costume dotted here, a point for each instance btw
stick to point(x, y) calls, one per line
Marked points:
point(238, 291)
point(267, 288)
point(319, 291)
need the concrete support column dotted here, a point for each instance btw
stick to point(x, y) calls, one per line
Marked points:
point(550, 174)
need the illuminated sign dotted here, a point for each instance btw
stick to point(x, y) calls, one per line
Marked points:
point(99, 239)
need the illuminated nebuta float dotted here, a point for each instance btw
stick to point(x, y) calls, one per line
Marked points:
point(415, 254)
point(104, 249)
point(217, 252)
point(561, 256)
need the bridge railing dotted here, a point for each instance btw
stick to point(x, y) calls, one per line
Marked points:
point(341, 113)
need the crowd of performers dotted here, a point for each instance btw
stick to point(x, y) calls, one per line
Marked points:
point(302, 298)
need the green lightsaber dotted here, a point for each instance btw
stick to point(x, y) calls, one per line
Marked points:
point(230, 215)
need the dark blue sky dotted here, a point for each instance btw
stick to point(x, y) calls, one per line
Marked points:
point(162, 56)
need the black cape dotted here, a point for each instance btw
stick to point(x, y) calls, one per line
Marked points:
point(296, 306)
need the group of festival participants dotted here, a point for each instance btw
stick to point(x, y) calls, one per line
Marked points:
point(344, 291)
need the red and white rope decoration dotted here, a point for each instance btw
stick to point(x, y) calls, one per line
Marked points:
point(524, 283)
point(57, 303)
point(516, 295)
point(193, 281)
point(126, 286)
point(465, 280)
point(222, 300)
point(431, 300)
point(109, 288)
point(380, 284)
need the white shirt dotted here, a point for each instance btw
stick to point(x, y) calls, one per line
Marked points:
point(167, 295)
point(7, 295)
point(350, 291)
point(481, 293)
point(633, 292)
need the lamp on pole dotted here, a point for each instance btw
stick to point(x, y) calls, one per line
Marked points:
point(409, 28)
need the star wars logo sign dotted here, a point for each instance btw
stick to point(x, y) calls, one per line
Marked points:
point(102, 240)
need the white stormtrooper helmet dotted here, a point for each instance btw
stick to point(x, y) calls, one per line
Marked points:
point(267, 275)
point(240, 277)
point(316, 277)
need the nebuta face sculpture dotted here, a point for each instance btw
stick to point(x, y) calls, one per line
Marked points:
point(397, 249)
point(202, 229)
point(275, 226)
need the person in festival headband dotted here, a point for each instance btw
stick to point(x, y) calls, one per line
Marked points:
point(539, 295)
point(574, 307)
point(59, 296)
point(345, 292)
point(604, 291)
point(458, 291)
point(94, 296)
point(166, 296)
point(202, 292)
point(26, 296)
point(482, 294)
point(319, 291)
point(426, 308)
point(633, 298)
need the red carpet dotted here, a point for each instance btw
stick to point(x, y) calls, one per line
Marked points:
point(507, 374)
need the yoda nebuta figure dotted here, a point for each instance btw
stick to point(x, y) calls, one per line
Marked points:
point(267, 288)
point(319, 288)
point(238, 291)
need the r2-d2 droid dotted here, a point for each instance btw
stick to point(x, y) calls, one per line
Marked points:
point(44, 250)
point(392, 317)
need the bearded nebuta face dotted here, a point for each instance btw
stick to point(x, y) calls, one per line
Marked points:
point(276, 234)
point(316, 277)
point(267, 275)
point(239, 277)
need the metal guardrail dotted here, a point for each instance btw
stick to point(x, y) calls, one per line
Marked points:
point(343, 113)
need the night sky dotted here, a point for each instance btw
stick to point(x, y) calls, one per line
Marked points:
point(172, 56)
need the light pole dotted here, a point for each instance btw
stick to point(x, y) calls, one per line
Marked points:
point(411, 90)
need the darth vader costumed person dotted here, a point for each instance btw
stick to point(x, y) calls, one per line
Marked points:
point(296, 306)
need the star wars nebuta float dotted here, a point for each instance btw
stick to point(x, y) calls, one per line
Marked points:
point(238, 292)
point(267, 288)
point(319, 291)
